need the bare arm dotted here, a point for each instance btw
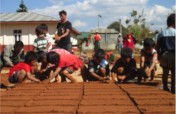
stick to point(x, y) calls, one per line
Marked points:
point(142, 61)
point(56, 72)
point(32, 77)
point(64, 35)
point(96, 76)
point(154, 61)
point(113, 76)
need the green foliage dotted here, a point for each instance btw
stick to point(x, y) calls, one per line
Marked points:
point(22, 7)
point(137, 25)
point(116, 26)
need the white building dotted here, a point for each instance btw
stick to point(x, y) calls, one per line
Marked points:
point(21, 26)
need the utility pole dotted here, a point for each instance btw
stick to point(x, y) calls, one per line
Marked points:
point(120, 26)
point(99, 16)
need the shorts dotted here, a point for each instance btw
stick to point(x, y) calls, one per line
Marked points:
point(167, 60)
point(70, 71)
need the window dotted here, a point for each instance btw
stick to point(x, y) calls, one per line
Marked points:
point(17, 34)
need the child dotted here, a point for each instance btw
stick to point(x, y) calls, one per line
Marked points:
point(125, 67)
point(20, 71)
point(47, 36)
point(40, 43)
point(63, 64)
point(149, 58)
point(98, 68)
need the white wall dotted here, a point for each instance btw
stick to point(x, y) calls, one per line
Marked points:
point(28, 32)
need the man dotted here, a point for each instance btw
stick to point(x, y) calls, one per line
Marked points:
point(97, 39)
point(119, 43)
point(13, 54)
point(166, 49)
point(62, 36)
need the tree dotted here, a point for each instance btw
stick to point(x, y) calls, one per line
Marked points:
point(116, 26)
point(22, 7)
point(136, 25)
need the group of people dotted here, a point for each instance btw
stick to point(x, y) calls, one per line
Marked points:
point(57, 64)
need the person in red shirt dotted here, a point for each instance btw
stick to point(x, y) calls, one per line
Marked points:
point(97, 39)
point(129, 41)
point(64, 64)
point(20, 71)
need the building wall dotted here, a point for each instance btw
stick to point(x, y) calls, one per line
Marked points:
point(108, 41)
point(28, 33)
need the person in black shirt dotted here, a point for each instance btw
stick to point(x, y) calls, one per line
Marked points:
point(125, 67)
point(62, 36)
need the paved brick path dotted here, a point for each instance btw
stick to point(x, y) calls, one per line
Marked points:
point(86, 98)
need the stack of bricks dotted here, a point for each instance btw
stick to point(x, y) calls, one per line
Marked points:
point(85, 98)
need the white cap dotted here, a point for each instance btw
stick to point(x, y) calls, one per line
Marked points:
point(120, 34)
point(97, 31)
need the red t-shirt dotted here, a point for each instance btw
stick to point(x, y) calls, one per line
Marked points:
point(128, 42)
point(20, 66)
point(97, 37)
point(69, 60)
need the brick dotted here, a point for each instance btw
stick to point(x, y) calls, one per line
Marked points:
point(12, 103)
point(53, 103)
point(16, 98)
point(158, 109)
point(57, 98)
point(148, 102)
point(7, 109)
point(47, 109)
point(105, 97)
point(107, 109)
point(106, 102)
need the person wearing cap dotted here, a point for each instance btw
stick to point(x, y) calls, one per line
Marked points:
point(97, 39)
point(125, 67)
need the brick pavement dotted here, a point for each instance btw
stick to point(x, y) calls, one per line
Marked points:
point(86, 98)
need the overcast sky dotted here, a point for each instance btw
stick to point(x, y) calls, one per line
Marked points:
point(84, 13)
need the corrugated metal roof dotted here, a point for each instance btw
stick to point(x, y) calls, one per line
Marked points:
point(24, 16)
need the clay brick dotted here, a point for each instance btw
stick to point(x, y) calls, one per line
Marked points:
point(47, 109)
point(57, 98)
point(158, 109)
point(60, 94)
point(16, 98)
point(7, 109)
point(106, 97)
point(53, 103)
point(106, 103)
point(153, 97)
point(12, 103)
point(148, 93)
point(107, 109)
point(13, 93)
point(148, 102)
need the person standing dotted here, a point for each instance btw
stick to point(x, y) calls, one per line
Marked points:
point(120, 43)
point(47, 36)
point(166, 49)
point(62, 36)
point(97, 39)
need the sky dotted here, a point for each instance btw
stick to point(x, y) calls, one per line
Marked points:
point(83, 14)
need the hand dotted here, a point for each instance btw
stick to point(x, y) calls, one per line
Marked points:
point(120, 70)
point(56, 37)
point(101, 78)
